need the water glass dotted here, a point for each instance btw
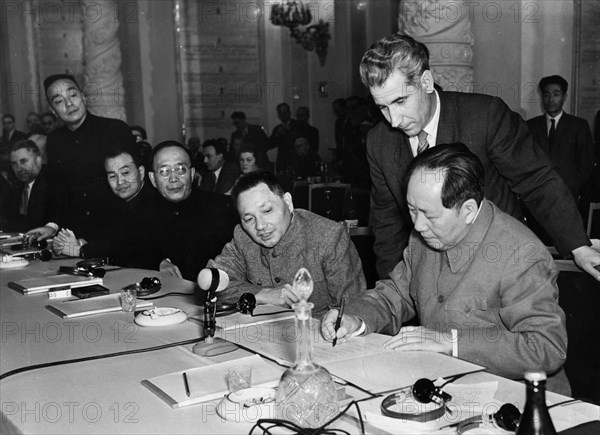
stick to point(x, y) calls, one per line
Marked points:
point(239, 377)
point(128, 299)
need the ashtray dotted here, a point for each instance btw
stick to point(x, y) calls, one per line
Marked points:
point(248, 405)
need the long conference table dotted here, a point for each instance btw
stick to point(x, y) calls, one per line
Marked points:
point(106, 395)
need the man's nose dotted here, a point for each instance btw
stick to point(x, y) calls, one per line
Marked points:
point(260, 223)
point(396, 117)
point(420, 223)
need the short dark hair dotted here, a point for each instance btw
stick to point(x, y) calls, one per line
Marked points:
point(238, 115)
point(50, 114)
point(167, 144)
point(283, 105)
point(219, 145)
point(464, 177)
point(140, 129)
point(133, 149)
point(393, 53)
point(8, 115)
point(554, 80)
point(50, 80)
point(27, 144)
point(253, 179)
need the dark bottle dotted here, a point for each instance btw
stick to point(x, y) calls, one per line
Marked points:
point(328, 210)
point(535, 419)
point(350, 215)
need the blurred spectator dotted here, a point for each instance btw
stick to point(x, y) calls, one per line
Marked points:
point(34, 124)
point(311, 132)
point(221, 174)
point(249, 133)
point(250, 160)
point(283, 137)
point(10, 135)
point(339, 110)
point(307, 160)
point(49, 123)
point(355, 167)
point(139, 133)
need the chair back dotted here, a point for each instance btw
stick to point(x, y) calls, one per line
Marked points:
point(318, 204)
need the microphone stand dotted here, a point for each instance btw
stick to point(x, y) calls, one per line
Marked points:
point(211, 345)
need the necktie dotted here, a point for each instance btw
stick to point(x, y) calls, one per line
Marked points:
point(552, 131)
point(423, 144)
point(24, 200)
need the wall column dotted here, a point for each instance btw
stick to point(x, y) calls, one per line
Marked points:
point(444, 27)
point(102, 76)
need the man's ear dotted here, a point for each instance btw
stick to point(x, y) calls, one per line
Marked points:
point(469, 210)
point(142, 171)
point(287, 198)
point(427, 81)
point(152, 180)
point(193, 172)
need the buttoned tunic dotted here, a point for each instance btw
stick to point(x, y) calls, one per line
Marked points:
point(497, 288)
point(318, 244)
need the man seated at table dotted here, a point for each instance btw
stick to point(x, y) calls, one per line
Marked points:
point(273, 241)
point(126, 176)
point(482, 284)
point(185, 228)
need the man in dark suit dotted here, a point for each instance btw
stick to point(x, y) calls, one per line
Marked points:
point(31, 204)
point(221, 175)
point(310, 132)
point(567, 139)
point(10, 136)
point(252, 134)
point(283, 137)
point(186, 228)
point(396, 70)
point(75, 159)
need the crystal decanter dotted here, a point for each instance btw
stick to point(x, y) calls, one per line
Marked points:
point(306, 395)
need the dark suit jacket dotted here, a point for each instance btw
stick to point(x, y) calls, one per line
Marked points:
point(256, 136)
point(572, 151)
point(513, 164)
point(38, 207)
point(227, 178)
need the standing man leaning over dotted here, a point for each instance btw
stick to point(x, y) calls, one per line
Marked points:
point(482, 285)
point(80, 194)
point(396, 70)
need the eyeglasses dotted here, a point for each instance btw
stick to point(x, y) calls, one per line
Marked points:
point(166, 172)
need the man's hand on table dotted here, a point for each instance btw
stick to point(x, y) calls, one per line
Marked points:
point(348, 326)
point(283, 295)
point(587, 257)
point(169, 268)
point(43, 233)
point(420, 338)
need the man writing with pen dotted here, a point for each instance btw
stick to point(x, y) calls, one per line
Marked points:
point(482, 284)
point(274, 240)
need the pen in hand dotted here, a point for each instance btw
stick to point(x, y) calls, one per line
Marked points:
point(338, 321)
point(185, 383)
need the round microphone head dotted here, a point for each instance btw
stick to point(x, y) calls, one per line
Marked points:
point(508, 417)
point(45, 255)
point(213, 280)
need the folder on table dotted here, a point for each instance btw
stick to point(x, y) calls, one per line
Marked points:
point(30, 286)
point(90, 306)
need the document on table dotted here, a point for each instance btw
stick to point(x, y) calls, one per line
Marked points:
point(360, 360)
point(210, 382)
point(262, 314)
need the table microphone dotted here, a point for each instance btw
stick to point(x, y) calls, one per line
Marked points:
point(212, 281)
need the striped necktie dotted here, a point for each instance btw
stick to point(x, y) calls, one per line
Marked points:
point(423, 144)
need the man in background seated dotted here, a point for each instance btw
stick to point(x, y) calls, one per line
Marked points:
point(30, 206)
point(311, 132)
point(221, 174)
point(185, 228)
point(273, 241)
point(306, 161)
point(482, 284)
point(126, 175)
point(10, 136)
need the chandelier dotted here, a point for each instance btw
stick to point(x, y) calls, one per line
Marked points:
point(292, 15)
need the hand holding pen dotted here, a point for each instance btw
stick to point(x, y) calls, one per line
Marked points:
point(338, 321)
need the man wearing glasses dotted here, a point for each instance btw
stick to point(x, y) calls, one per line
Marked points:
point(186, 228)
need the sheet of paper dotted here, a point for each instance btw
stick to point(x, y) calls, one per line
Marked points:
point(262, 314)
point(210, 382)
point(469, 400)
